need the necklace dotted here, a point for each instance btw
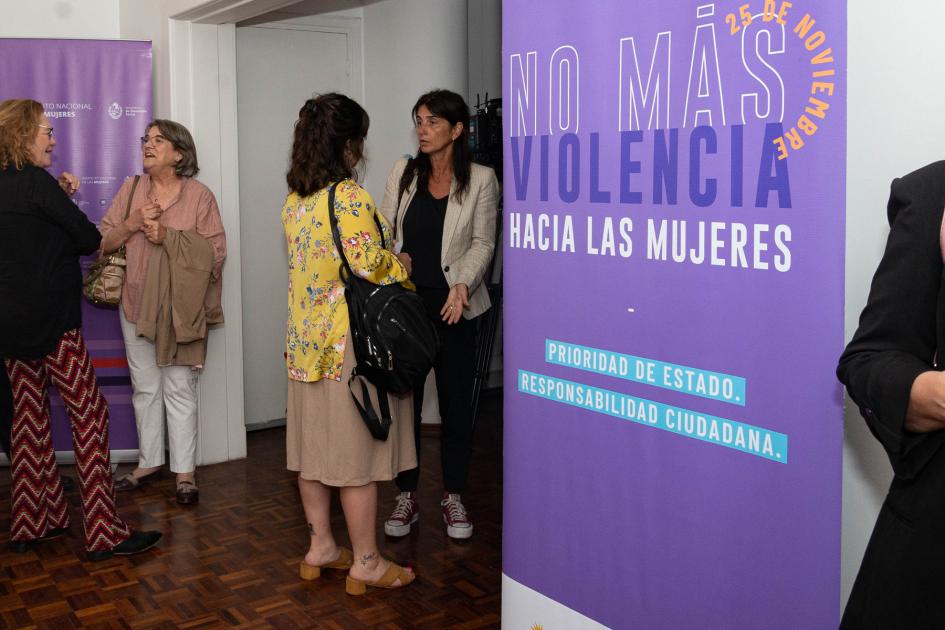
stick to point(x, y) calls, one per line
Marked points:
point(163, 198)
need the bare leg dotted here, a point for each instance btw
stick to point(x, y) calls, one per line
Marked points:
point(140, 472)
point(360, 506)
point(316, 501)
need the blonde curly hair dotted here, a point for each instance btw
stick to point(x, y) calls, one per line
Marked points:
point(18, 120)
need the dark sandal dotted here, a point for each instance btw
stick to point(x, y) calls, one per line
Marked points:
point(130, 482)
point(187, 493)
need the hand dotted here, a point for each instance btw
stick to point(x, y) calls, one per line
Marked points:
point(138, 216)
point(154, 231)
point(926, 411)
point(456, 301)
point(68, 182)
point(406, 261)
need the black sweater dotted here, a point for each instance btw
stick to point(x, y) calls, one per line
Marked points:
point(42, 235)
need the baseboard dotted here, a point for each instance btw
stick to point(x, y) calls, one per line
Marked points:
point(268, 424)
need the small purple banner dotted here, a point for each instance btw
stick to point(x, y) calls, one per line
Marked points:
point(673, 233)
point(97, 96)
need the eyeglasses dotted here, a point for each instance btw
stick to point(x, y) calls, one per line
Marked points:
point(158, 140)
point(48, 133)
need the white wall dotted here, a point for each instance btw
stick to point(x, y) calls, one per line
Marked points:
point(485, 50)
point(74, 19)
point(149, 21)
point(401, 62)
point(895, 125)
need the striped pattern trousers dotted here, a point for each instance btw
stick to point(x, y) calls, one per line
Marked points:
point(37, 500)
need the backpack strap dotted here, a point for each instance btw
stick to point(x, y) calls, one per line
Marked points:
point(336, 235)
point(378, 422)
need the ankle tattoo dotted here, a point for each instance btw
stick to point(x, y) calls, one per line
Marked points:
point(311, 530)
point(367, 558)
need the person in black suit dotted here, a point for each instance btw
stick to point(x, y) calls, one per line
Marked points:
point(891, 369)
point(6, 412)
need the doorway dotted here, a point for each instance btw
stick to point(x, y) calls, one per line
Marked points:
point(280, 63)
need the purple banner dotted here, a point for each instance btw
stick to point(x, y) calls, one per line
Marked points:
point(673, 240)
point(97, 96)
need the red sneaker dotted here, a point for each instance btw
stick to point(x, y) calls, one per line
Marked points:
point(405, 514)
point(454, 515)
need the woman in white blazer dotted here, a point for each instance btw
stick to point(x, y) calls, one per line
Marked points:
point(443, 208)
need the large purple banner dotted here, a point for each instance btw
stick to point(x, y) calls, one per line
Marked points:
point(97, 96)
point(673, 242)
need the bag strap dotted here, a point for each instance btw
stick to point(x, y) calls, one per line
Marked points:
point(378, 425)
point(333, 220)
point(134, 185)
point(121, 249)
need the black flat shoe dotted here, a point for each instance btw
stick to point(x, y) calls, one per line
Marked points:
point(130, 482)
point(22, 546)
point(68, 484)
point(136, 543)
point(187, 493)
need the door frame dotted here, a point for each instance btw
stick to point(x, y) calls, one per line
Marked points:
point(277, 25)
point(202, 61)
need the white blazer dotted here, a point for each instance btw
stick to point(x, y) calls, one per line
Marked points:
point(468, 229)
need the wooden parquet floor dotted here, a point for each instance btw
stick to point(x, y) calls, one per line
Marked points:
point(232, 560)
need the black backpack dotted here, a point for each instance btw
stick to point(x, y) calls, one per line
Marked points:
point(395, 343)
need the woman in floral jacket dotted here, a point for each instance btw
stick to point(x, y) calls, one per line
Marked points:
point(327, 443)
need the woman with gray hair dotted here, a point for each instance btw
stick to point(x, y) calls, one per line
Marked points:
point(167, 207)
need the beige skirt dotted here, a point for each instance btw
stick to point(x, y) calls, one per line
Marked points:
point(327, 441)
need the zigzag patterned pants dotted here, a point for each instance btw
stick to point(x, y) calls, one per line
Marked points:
point(36, 497)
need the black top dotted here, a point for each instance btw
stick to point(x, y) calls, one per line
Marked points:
point(6, 411)
point(423, 239)
point(42, 235)
point(901, 334)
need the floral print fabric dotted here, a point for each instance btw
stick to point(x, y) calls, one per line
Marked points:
point(317, 311)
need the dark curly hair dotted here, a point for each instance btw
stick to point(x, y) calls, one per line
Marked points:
point(328, 142)
point(451, 107)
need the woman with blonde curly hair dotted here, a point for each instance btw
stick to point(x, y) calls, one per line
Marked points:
point(42, 235)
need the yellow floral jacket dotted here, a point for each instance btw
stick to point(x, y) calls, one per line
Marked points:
point(318, 313)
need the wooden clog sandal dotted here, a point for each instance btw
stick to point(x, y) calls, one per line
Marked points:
point(314, 571)
point(354, 586)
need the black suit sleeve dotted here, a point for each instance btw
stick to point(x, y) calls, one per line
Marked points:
point(897, 335)
point(56, 205)
point(6, 410)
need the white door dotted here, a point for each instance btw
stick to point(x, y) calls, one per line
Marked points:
point(279, 66)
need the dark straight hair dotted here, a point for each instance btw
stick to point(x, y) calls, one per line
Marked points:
point(451, 107)
point(328, 142)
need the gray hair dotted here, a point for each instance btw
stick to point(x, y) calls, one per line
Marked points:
point(183, 143)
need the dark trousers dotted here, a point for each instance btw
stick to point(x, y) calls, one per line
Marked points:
point(454, 370)
point(6, 411)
